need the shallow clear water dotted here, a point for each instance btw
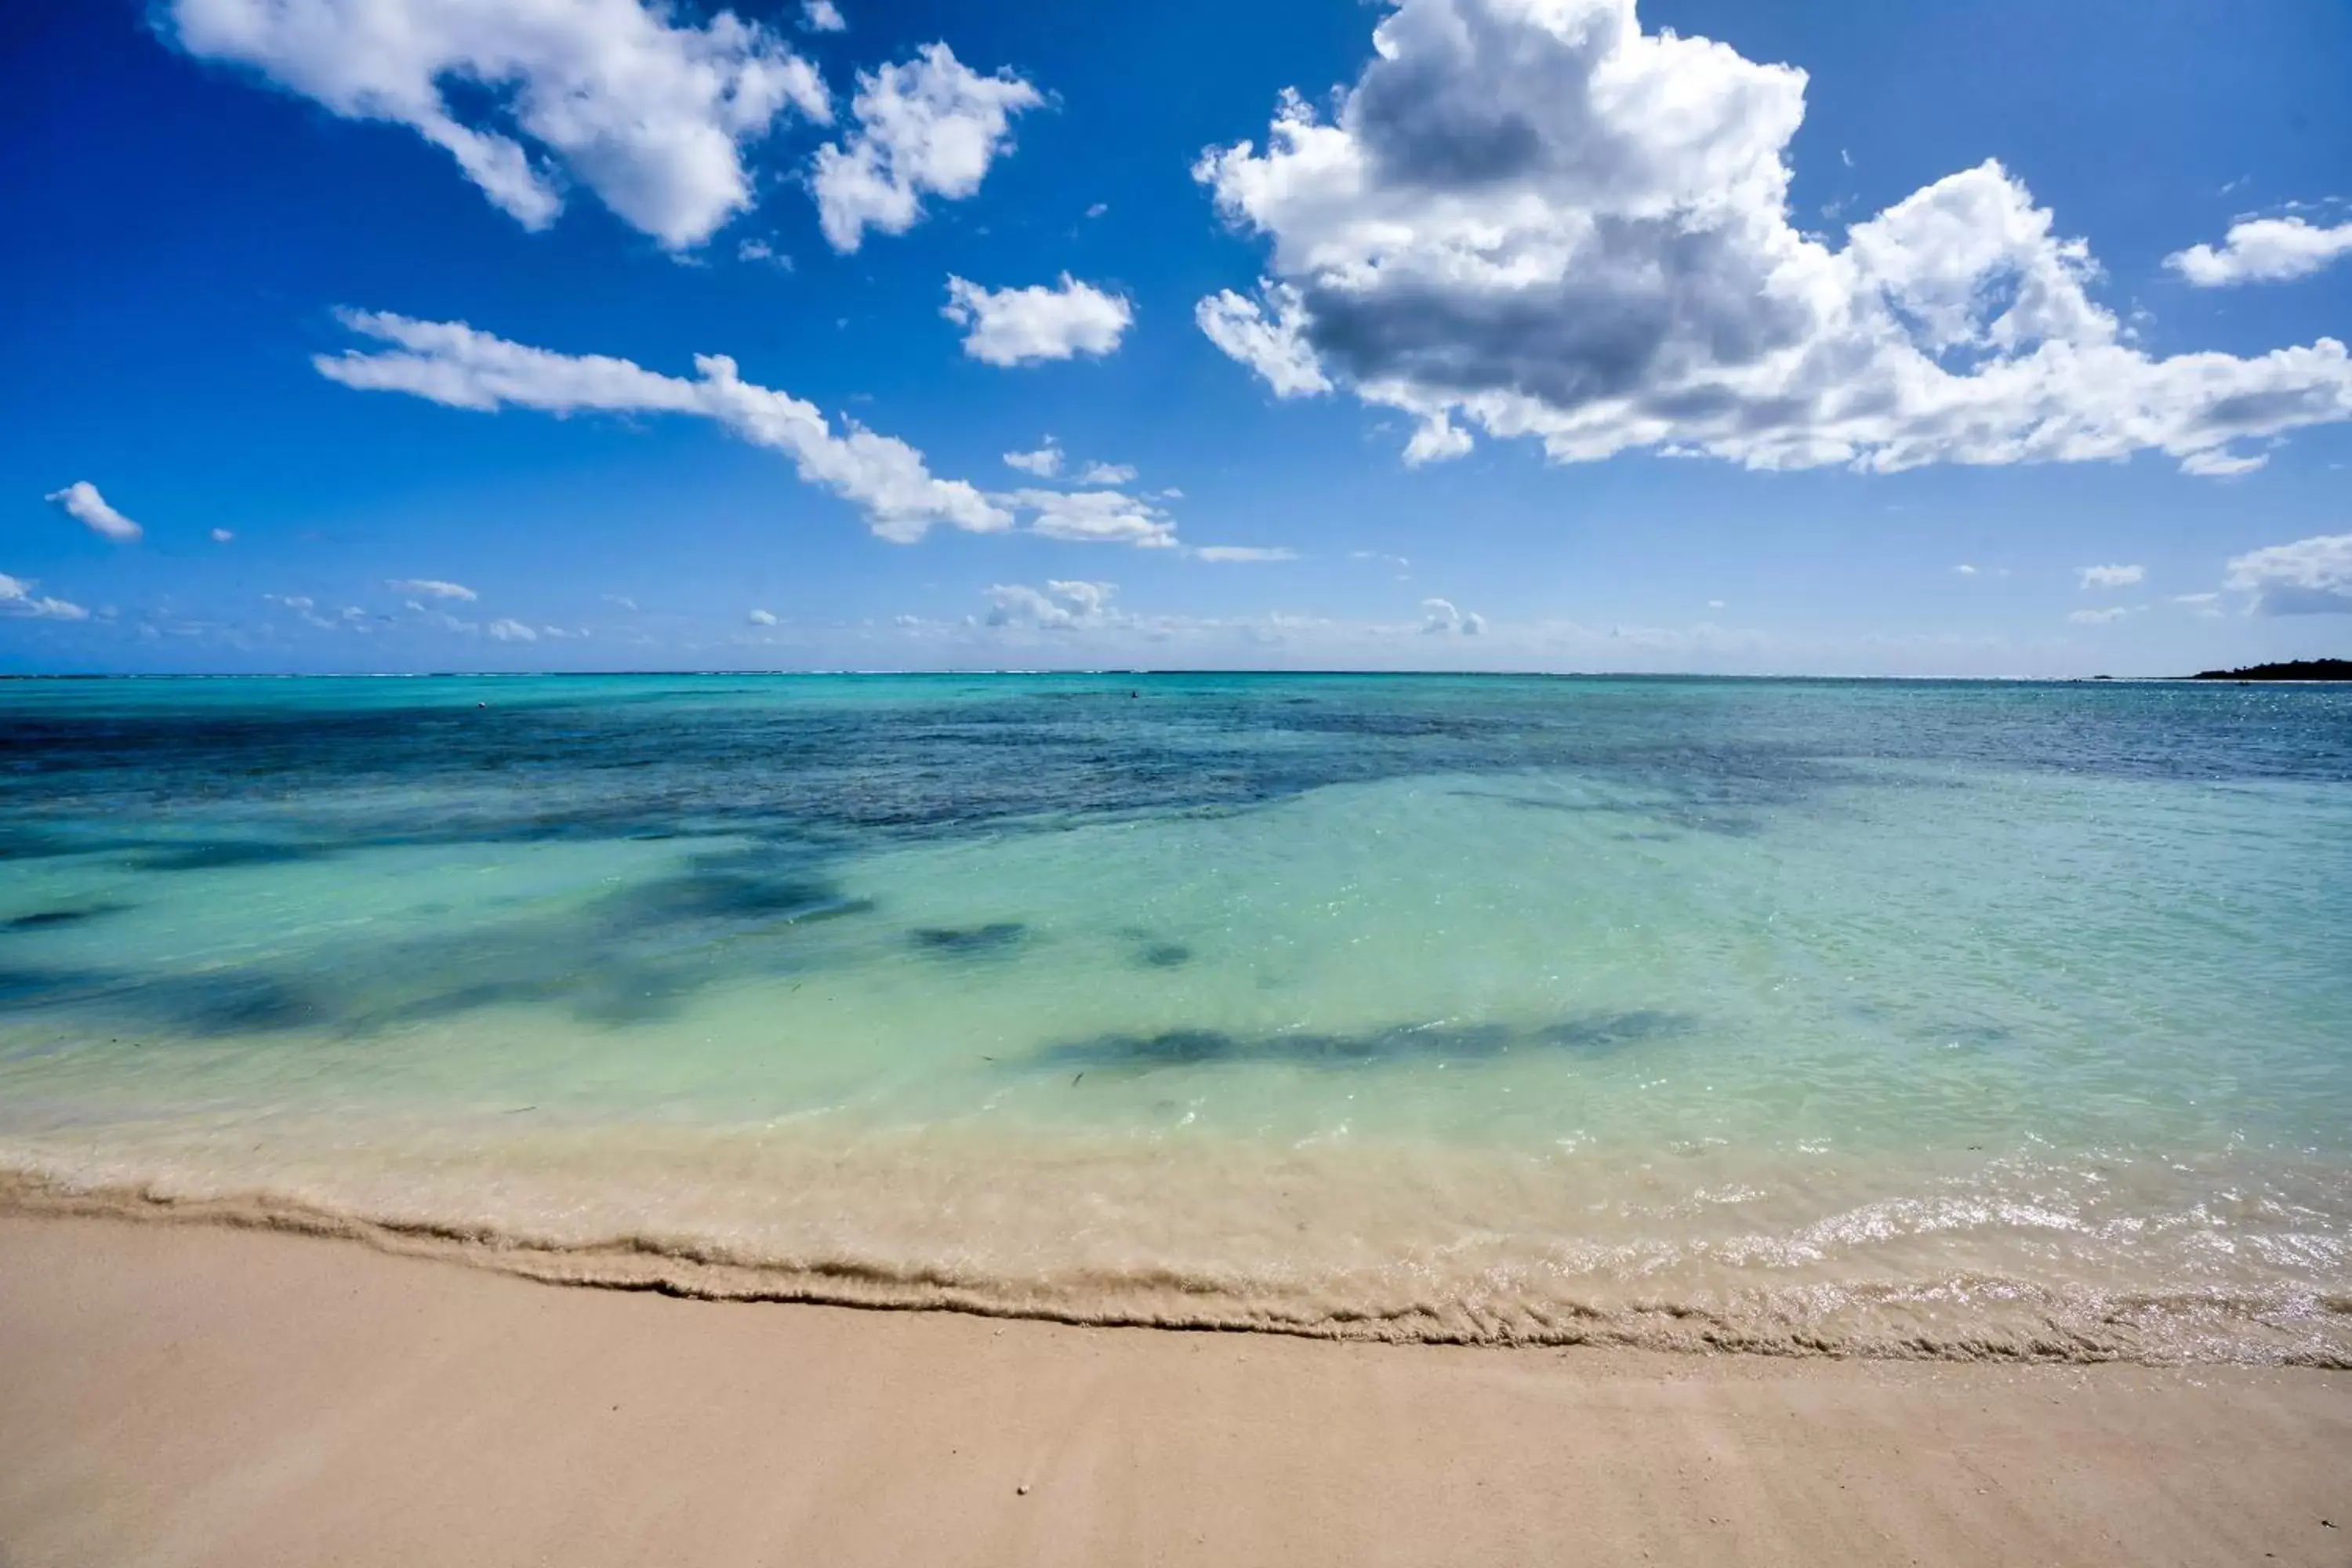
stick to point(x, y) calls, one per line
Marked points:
point(1846, 1017)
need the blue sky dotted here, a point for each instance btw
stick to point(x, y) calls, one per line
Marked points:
point(1537, 340)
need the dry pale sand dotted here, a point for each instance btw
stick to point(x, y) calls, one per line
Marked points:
point(190, 1394)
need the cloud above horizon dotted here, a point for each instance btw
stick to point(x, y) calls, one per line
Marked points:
point(81, 502)
point(431, 588)
point(928, 126)
point(1538, 220)
point(2111, 576)
point(623, 97)
point(1216, 553)
point(2309, 577)
point(1063, 605)
point(2263, 251)
point(1440, 617)
point(1028, 326)
point(1097, 517)
point(451, 363)
point(17, 599)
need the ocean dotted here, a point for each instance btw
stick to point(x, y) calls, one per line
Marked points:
point(1825, 1018)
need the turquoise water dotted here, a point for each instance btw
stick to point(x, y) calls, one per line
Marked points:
point(1826, 1017)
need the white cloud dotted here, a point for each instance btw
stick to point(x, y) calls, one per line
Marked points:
point(761, 618)
point(222, 536)
point(1437, 439)
point(2219, 464)
point(1271, 345)
point(511, 631)
point(1097, 209)
point(1101, 517)
point(1534, 218)
point(431, 588)
point(2309, 577)
point(1714, 603)
point(2208, 606)
point(1026, 326)
point(1061, 606)
point(305, 609)
point(1245, 553)
point(650, 113)
point(17, 598)
point(450, 363)
point(2112, 576)
point(1044, 462)
point(762, 250)
point(1440, 617)
point(821, 17)
point(929, 126)
point(81, 502)
point(1965, 570)
point(2098, 617)
point(2263, 251)
point(1106, 474)
point(623, 600)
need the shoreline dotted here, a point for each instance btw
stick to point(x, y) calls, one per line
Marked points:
point(199, 1394)
point(2113, 1330)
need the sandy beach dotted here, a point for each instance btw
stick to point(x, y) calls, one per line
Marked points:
point(192, 1394)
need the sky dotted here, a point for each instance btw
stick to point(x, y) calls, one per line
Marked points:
point(2001, 339)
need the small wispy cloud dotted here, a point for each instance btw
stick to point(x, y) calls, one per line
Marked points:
point(821, 17)
point(1044, 462)
point(431, 588)
point(81, 502)
point(1442, 617)
point(1243, 553)
point(2112, 576)
point(17, 598)
point(761, 618)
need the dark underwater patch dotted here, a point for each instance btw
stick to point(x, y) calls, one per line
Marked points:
point(997, 936)
point(225, 854)
point(1163, 955)
point(51, 920)
point(236, 1003)
point(1598, 1034)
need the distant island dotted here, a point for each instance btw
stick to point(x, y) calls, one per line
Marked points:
point(2292, 670)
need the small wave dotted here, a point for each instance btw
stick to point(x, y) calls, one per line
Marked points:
point(1970, 1319)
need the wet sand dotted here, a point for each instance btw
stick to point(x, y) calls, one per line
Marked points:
point(194, 1394)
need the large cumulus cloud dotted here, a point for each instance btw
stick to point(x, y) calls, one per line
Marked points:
point(1532, 217)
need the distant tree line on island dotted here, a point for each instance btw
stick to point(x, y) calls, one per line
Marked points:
point(2292, 670)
